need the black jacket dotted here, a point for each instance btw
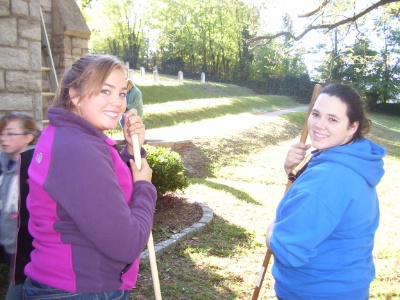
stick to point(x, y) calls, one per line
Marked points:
point(24, 239)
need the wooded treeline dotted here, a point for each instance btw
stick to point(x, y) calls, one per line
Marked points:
point(211, 37)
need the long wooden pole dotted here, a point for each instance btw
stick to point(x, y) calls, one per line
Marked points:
point(303, 138)
point(150, 243)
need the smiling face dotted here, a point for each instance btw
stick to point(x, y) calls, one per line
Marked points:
point(104, 109)
point(328, 124)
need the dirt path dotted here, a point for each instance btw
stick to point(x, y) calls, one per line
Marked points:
point(215, 127)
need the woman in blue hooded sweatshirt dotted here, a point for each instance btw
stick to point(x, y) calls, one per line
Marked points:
point(323, 234)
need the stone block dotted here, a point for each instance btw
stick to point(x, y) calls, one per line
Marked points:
point(76, 52)
point(29, 29)
point(8, 32)
point(68, 61)
point(179, 237)
point(14, 59)
point(198, 227)
point(23, 82)
point(59, 43)
point(2, 80)
point(144, 256)
point(79, 43)
point(190, 232)
point(207, 217)
point(20, 102)
point(20, 7)
point(37, 108)
point(164, 246)
point(36, 56)
point(23, 43)
point(158, 250)
point(34, 10)
point(4, 8)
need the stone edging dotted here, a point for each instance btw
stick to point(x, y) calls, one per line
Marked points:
point(185, 234)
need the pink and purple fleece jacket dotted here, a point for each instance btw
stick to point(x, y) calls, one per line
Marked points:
point(89, 221)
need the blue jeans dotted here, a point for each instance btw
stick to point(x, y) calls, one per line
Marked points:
point(34, 290)
point(15, 292)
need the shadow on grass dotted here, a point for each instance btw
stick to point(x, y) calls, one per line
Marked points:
point(182, 278)
point(203, 157)
point(198, 163)
point(238, 194)
point(387, 138)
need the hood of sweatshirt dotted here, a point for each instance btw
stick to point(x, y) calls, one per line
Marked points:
point(362, 156)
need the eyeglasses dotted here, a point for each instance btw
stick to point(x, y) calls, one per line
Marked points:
point(11, 134)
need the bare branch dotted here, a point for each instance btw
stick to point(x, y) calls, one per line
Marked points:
point(290, 35)
point(326, 2)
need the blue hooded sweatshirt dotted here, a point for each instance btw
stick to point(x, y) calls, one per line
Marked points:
point(325, 225)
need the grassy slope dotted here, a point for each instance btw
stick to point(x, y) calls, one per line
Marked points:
point(168, 105)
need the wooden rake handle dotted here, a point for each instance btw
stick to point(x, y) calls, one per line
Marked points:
point(303, 139)
point(150, 243)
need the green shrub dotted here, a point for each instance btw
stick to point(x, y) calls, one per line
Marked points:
point(168, 170)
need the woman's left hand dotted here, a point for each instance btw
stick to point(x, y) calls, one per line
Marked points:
point(133, 124)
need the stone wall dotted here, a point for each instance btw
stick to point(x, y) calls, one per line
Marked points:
point(21, 80)
point(20, 57)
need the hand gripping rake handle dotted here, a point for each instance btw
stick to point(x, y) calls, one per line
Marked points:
point(150, 243)
point(303, 138)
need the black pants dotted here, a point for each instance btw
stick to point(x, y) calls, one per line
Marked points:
point(5, 258)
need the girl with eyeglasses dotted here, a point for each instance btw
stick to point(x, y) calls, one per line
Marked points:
point(18, 135)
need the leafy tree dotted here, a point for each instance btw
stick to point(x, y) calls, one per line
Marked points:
point(278, 58)
point(204, 37)
point(372, 71)
point(117, 28)
point(387, 85)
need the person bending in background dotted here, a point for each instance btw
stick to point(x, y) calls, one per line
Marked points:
point(19, 133)
point(89, 218)
point(133, 100)
point(323, 234)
